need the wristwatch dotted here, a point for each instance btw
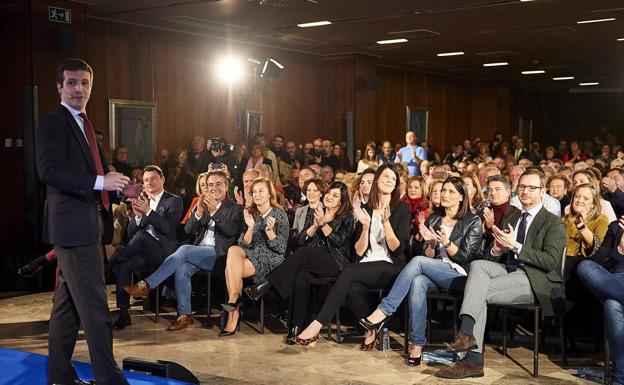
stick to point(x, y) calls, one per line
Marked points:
point(581, 227)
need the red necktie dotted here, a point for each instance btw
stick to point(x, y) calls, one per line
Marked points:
point(95, 153)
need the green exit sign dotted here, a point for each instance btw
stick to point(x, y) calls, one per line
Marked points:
point(59, 15)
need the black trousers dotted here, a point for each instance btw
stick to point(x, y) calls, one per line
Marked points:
point(142, 252)
point(291, 279)
point(80, 297)
point(353, 284)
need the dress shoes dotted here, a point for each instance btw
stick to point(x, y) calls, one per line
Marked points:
point(461, 369)
point(292, 333)
point(32, 268)
point(122, 322)
point(257, 291)
point(462, 343)
point(141, 289)
point(78, 381)
point(182, 322)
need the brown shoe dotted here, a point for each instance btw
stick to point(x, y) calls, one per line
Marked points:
point(182, 322)
point(461, 369)
point(141, 289)
point(462, 343)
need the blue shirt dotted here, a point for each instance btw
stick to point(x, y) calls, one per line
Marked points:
point(407, 157)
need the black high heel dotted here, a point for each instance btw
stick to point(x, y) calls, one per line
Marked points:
point(225, 333)
point(231, 306)
point(414, 361)
point(366, 324)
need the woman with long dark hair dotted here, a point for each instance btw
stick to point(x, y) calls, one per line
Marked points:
point(453, 240)
point(382, 233)
point(324, 252)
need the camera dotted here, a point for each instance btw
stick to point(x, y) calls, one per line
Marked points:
point(219, 144)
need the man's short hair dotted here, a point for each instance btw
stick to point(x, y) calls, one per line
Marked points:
point(535, 171)
point(153, 168)
point(221, 174)
point(250, 170)
point(618, 169)
point(498, 178)
point(72, 64)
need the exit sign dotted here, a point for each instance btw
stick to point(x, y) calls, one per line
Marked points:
point(59, 15)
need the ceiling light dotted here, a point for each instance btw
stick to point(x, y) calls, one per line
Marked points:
point(230, 69)
point(620, 39)
point(595, 21)
point(535, 72)
point(564, 78)
point(458, 53)
point(392, 41)
point(271, 68)
point(524, 1)
point(502, 63)
point(588, 84)
point(314, 24)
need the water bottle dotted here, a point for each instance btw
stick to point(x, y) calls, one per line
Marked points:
point(590, 373)
point(385, 340)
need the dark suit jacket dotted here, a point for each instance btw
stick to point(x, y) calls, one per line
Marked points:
point(164, 219)
point(66, 167)
point(616, 199)
point(400, 220)
point(541, 253)
point(608, 255)
point(228, 219)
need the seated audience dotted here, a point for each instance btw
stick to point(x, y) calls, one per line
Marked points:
point(557, 187)
point(613, 185)
point(215, 223)
point(452, 240)
point(369, 160)
point(120, 154)
point(587, 177)
point(304, 216)
point(261, 248)
point(473, 189)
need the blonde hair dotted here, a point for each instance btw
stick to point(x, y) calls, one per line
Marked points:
point(595, 200)
point(253, 209)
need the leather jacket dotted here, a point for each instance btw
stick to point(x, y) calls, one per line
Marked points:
point(337, 243)
point(466, 235)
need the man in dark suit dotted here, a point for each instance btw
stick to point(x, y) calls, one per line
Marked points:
point(152, 236)
point(216, 225)
point(77, 221)
point(520, 152)
point(500, 209)
point(523, 266)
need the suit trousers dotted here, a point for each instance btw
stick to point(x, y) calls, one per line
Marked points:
point(143, 252)
point(291, 279)
point(80, 297)
point(490, 283)
point(353, 284)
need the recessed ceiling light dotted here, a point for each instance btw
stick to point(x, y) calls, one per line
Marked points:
point(314, 24)
point(588, 84)
point(534, 72)
point(498, 64)
point(458, 53)
point(620, 39)
point(595, 21)
point(524, 1)
point(564, 78)
point(392, 41)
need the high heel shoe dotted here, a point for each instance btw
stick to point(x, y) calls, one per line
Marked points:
point(292, 333)
point(231, 306)
point(225, 333)
point(366, 324)
point(414, 361)
point(370, 346)
point(311, 342)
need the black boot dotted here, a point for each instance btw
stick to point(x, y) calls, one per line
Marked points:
point(33, 267)
point(292, 333)
point(257, 291)
point(123, 320)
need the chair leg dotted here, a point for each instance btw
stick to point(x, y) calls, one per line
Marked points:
point(429, 310)
point(158, 304)
point(262, 315)
point(338, 340)
point(562, 341)
point(504, 312)
point(607, 365)
point(406, 322)
point(208, 294)
point(536, 344)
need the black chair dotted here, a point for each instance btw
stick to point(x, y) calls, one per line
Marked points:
point(328, 283)
point(208, 275)
point(260, 326)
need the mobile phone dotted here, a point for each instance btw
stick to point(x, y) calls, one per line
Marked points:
point(216, 166)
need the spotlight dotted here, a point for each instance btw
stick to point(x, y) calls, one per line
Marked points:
point(230, 69)
point(271, 68)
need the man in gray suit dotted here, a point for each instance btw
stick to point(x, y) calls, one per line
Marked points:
point(523, 266)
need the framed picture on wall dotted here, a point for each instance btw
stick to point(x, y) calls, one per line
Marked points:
point(132, 124)
point(253, 124)
point(417, 120)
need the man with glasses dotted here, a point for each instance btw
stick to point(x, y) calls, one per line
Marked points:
point(551, 204)
point(215, 223)
point(522, 266)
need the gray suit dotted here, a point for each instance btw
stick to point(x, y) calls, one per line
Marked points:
point(489, 282)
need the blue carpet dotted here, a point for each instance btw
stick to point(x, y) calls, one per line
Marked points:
point(23, 368)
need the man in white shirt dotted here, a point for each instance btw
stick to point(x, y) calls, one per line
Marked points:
point(215, 223)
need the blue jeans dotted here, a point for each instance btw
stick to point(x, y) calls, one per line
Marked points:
point(422, 275)
point(609, 288)
point(185, 262)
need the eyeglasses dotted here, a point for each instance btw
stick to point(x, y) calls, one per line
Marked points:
point(523, 187)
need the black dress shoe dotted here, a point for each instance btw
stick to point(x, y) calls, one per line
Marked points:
point(122, 322)
point(293, 332)
point(78, 381)
point(32, 268)
point(257, 291)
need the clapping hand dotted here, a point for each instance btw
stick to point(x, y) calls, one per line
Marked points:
point(621, 224)
point(440, 236)
point(427, 234)
point(385, 214)
point(362, 216)
point(319, 217)
point(488, 216)
point(249, 220)
point(132, 190)
point(240, 198)
point(270, 224)
point(504, 239)
point(140, 206)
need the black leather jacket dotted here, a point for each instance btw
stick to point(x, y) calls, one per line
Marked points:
point(466, 235)
point(337, 242)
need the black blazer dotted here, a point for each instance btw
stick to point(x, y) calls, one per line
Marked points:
point(400, 220)
point(608, 255)
point(337, 243)
point(66, 167)
point(227, 219)
point(164, 219)
point(466, 235)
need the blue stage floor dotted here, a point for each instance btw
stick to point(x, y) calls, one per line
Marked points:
point(24, 368)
